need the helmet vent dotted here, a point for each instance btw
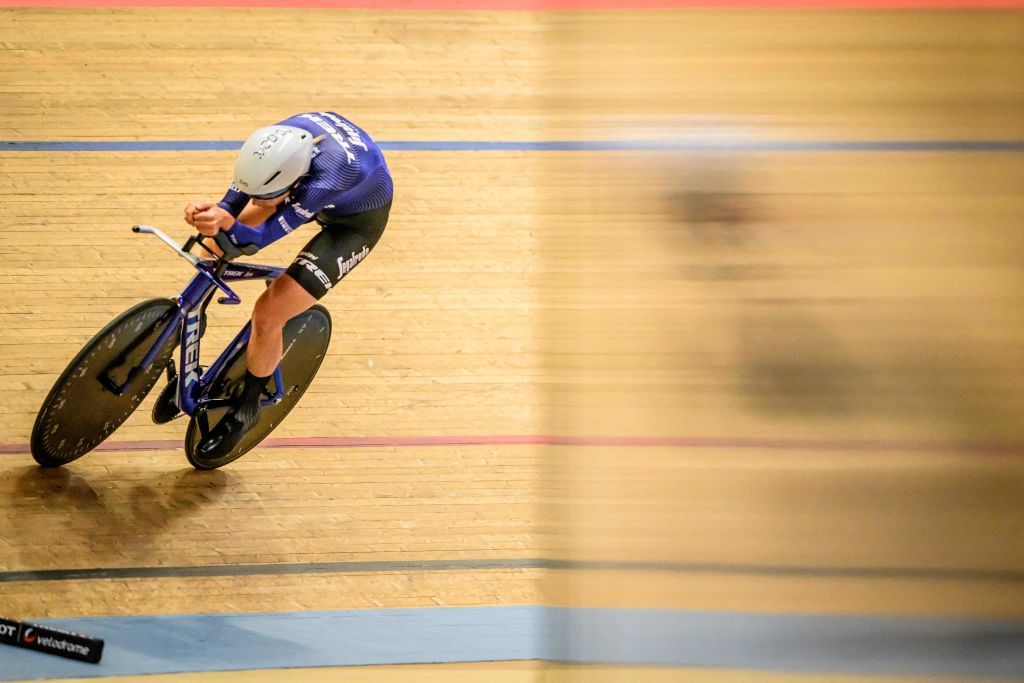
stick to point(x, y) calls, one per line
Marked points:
point(271, 178)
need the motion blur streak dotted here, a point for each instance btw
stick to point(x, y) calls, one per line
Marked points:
point(800, 295)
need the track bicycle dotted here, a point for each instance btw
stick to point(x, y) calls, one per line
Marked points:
point(112, 374)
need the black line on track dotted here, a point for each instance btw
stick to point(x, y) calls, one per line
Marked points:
point(190, 571)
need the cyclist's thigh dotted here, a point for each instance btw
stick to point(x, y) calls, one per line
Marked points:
point(338, 248)
point(283, 300)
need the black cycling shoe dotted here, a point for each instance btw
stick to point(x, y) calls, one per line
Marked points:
point(228, 433)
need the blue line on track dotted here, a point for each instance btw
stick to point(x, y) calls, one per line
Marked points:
point(688, 145)
point(894, 645)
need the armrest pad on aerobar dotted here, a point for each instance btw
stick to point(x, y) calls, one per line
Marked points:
point(231, 252)
point(230, 249)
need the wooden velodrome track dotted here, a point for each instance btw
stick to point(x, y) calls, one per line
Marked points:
point(776, 380)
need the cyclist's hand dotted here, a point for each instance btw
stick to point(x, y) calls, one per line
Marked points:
point(209, 219)
point(193, 208)
point(190, 213)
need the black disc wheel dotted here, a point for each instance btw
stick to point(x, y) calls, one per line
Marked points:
point(306, 337)
point(82, 409)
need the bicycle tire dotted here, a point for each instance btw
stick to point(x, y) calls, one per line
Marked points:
point(306, 338)
point(80, 413)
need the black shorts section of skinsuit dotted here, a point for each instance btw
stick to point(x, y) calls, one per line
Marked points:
point(342, 243)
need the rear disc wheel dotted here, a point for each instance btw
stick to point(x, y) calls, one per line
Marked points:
point(306, 338)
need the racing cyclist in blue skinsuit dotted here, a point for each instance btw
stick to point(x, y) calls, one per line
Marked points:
point(313, 166)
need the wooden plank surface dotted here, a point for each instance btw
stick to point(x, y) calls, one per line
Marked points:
point(828, 297)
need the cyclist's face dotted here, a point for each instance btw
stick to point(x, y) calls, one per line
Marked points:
point(270, 203)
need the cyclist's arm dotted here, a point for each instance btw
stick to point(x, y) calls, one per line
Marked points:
point(301, 209)
point(234, 201)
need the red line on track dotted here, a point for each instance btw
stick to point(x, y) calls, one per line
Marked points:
point(534, 4)
point(688, 442)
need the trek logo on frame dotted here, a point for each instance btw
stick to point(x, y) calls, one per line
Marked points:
point(191, 347)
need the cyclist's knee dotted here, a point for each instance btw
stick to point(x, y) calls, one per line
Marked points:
point(267, 317)
point(279, 303)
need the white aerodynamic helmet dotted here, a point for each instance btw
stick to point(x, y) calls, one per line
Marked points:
point(272, 159)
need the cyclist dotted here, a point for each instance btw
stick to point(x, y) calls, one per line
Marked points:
point(313, 166)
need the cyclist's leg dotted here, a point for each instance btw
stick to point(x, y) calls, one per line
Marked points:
point(322, 263)
point(326, 259)
point(283, 300)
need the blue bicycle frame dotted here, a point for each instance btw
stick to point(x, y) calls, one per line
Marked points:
point(210, 276)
